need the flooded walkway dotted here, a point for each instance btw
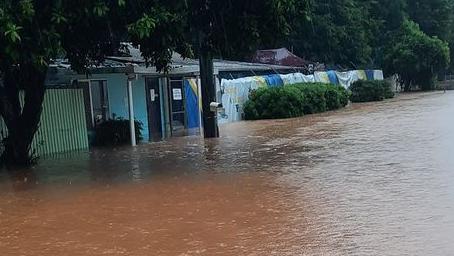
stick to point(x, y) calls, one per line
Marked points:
point(373, 179)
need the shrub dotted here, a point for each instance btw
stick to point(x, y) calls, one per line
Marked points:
point(387, 89)
point(313, 97)
point(320, 97)
point(344, 95)
point(336, 97)
point(277, 102)
point(365, 91)
point(116, 132)
point(332, 98)
point(294, 100)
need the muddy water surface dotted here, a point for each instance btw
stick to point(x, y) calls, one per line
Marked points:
point(373, 179)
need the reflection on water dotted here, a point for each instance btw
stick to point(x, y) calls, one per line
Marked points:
point(374, 179)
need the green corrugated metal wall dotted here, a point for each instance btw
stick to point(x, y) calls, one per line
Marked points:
point(63, 126)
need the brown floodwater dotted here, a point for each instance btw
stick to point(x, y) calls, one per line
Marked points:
point(372, 179)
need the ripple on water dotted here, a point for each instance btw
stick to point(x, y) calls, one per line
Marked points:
point(374, 179)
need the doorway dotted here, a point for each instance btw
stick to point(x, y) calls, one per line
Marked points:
point(96, 103)
point(177, 107)
point(100, 101)
point(153, 94)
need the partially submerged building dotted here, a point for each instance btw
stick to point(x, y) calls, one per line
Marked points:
point(167, 104)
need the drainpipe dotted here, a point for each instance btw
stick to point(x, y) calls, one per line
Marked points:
point(162, 104)
point(199, 105)
point(131, 111)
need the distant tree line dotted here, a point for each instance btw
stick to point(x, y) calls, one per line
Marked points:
point(357, 32)
point(408, 37)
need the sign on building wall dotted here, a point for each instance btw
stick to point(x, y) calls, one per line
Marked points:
point(177, 94)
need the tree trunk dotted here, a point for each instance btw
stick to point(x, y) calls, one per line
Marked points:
point(21, 121)
point(407, 84)
point(407, 87)
point(210, 124)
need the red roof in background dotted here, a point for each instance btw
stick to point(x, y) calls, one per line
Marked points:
point(280, 56)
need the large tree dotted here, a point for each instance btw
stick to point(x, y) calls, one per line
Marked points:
point(32, 34)
point(334, 32)
point(416, 57)
point(385, 17)
point(435, 18)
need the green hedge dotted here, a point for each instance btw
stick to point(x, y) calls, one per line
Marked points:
point(365, 91)
point(275, 102)
point(294, 100)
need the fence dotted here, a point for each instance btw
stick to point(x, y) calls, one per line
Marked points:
point(63, 125)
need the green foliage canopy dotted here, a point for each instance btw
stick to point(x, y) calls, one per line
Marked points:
point(416, 57)
point(333, 32)
point(356, 33)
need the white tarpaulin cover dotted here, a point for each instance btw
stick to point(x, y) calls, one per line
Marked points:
point(378, 75)
point(322, 77)
point(347, 78)
point(296, 78)
point(235, 94)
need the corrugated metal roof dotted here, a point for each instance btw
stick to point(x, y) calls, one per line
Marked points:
point(280, 56)
point(133, 62)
